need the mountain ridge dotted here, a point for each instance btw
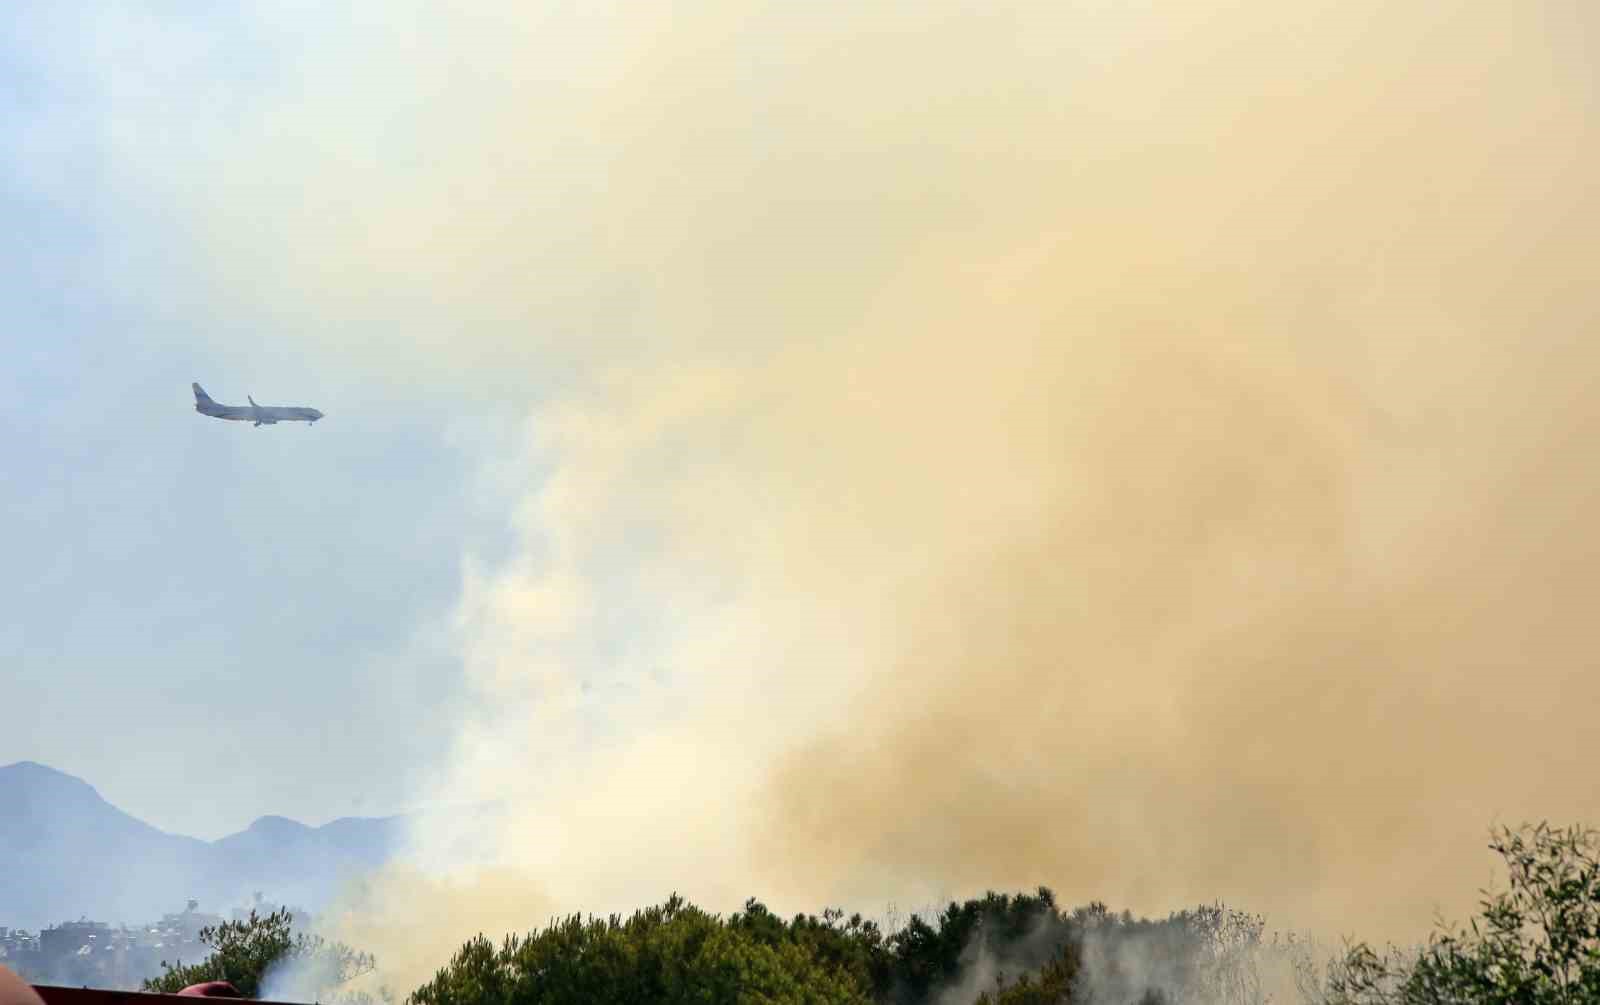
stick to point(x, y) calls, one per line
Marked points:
point(66, 851)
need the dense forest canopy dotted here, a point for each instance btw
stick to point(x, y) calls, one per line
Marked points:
point(1535, 942)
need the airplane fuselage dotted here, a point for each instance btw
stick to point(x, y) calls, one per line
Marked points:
point(266, 415)
point(259, 415)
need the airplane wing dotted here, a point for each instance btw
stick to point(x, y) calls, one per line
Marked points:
point(259, 414)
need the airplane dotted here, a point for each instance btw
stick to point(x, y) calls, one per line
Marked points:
point(259, 415)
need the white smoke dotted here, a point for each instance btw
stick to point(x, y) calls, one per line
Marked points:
point(1216, 956)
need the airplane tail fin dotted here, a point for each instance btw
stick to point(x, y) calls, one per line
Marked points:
point(200, 395)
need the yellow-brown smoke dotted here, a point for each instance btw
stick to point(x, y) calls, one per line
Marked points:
point(1142, 449)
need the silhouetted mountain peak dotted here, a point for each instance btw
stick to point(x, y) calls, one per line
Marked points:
point(277, 827)
point(31, 776)
point(39, 803)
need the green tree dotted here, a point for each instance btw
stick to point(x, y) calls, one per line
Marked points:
point(851, 946)
point(244, 952)
point(676, 952)
point(670, 953)
point(1022, 933)
point(1536, 942)
point(1051, 984)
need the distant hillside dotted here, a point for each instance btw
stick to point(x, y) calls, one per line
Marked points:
point(65, 852)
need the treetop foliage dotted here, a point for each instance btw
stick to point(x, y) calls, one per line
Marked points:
point(675, 952)
point(1536, 942)
point(244, 952)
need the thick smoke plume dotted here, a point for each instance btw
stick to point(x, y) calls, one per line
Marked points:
point(1141, 449)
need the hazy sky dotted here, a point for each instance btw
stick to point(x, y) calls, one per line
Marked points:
point(207, 626)
point(823, 450)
